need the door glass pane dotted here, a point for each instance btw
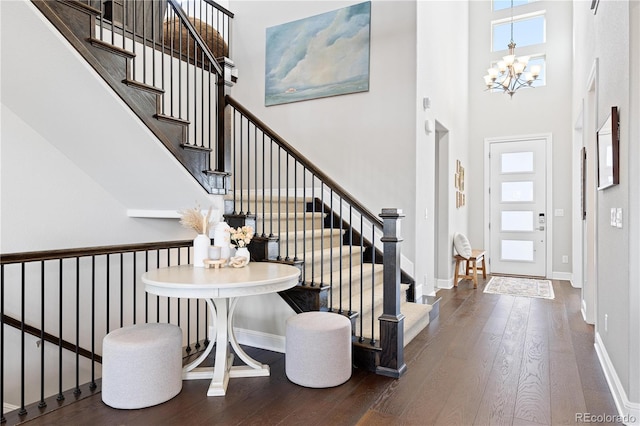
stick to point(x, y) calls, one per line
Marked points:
point(516, 191)
point(514, 221)
point(516, 162)
point(517, 250)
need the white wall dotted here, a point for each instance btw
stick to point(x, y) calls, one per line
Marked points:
point(617, 296)
point(441, 48)
point(335, 132)
point(531, 111)
point(74, 157)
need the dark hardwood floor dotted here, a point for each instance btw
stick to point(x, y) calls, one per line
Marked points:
point(488, 359)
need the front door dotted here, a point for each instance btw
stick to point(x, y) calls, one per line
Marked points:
point(518, 218)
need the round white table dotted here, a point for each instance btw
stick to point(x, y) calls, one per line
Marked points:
point(221, 288)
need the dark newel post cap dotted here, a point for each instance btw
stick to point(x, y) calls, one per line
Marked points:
point(389, 213)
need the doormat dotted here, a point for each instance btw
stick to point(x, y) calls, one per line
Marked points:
point(515, 286)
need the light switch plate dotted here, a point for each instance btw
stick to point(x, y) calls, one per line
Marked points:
point(613, 216)
point(619, 217)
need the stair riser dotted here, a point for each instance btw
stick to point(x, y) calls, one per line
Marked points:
point(302, 245)
point(278, 207)
point(292, 223)
point(356, 280)
point(317, 263)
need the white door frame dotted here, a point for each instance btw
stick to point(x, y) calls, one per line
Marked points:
point(442, 234)
point(549, 187)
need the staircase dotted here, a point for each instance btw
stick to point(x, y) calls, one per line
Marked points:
point(334, 262)
point(173, 82)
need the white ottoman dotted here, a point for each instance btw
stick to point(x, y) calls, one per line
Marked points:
point(318, 349)
point(141, 365)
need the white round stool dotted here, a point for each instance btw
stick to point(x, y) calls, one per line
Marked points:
point(141, 365)
point(318, 349)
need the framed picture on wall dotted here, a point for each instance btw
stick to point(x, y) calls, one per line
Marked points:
point(609, 151)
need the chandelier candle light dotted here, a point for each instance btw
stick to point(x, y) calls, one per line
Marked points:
point(509, 74)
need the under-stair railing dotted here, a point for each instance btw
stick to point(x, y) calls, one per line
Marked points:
point(57, 306)
point(176, 53)
point(337, 241)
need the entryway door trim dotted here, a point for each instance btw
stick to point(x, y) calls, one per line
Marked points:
point(547, 137)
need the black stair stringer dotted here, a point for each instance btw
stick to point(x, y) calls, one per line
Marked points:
point(76, 22)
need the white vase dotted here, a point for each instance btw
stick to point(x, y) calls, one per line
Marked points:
point(221, 239)
point(200, 250)
point(244, 252)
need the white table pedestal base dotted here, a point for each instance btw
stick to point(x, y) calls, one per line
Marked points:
point(223, 368)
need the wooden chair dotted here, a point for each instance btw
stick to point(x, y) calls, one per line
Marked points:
point(471, 267)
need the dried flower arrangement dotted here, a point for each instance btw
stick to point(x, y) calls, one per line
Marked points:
point(196, 220)
point(241, 236)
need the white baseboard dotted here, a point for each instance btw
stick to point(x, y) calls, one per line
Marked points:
point(444, 284)
point(8, 407)
point(258, 339)
point(564, 276)
point(628, 411)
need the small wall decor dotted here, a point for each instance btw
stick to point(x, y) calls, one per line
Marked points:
point(458, 180)
point(320, 56)
point(609, 151)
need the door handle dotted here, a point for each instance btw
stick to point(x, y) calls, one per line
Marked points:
point(541, 228)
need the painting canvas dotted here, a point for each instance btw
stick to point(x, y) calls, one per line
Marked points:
point(320, 56)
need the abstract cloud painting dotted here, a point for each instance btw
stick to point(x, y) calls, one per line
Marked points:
point(320, 56)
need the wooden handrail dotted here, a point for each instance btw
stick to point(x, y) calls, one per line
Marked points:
point(220, 8)
point(196, 36)
point(35, 256)
point(48, 337)
point(306, 162)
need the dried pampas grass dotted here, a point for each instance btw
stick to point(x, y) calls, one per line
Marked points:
point(194, 219)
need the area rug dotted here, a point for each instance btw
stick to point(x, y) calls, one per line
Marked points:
point(515, 286)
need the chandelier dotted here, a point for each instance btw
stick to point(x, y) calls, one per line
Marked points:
point(509, 74)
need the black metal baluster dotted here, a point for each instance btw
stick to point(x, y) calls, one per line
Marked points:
point(134, 288)
point(304, 214)
point(133, 39)
point(42, 403)
point(240, 190)
point(255, 171)
point(235, 159)
point(108, 291)
point(313, 229)
point(286, 238)
point(146, 295)
point(92, 386)
point(60, 394)
point(295, 237)
point(361, 271)
point(271, 188)
point(23, 410)
point(124, 23)
point(153, 42)
point(121, 290)
point(158, 297)
point(263, 187)
point(295, 209)
point(168, 298)
point(144, 43)
point(331, 249)
point(373, 282)
point(350, 259)
point(322, 233)
point(77, 390)
point(341, 240)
